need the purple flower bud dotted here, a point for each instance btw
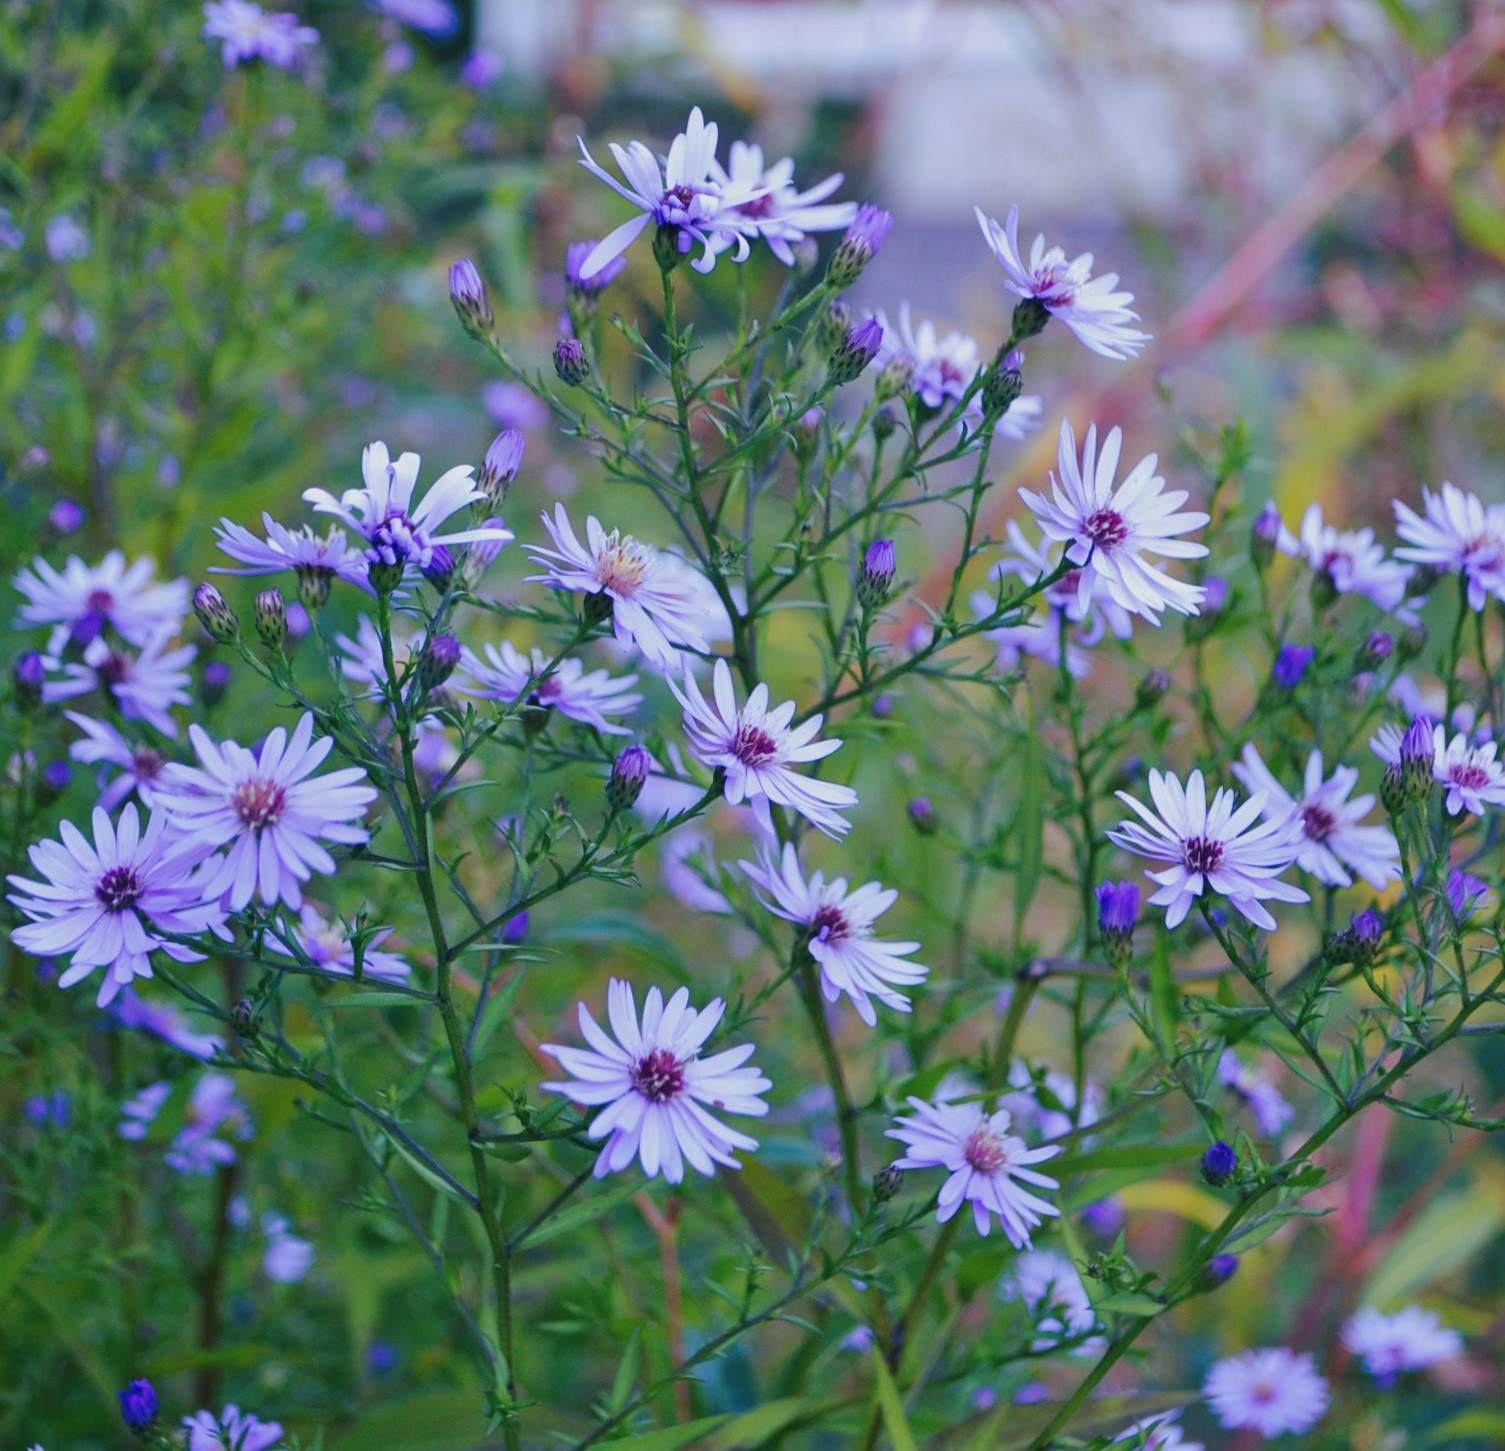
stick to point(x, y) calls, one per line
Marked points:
point(857, 350)
point(1376, 649)
point(86, 629)
point(1222, 1268)
point(515, 933)
point(859, 246)
point(1003, 383)
point(28, 675)
point(138, 1405)
point(876, 577)
point(271, 619)
point(570, 363)
point(437, 662)
point(835, 323)
point(887, 1182)
point(65, 516)
point(1219, 1164)
point(57, 776)
point(214, 682)
point(1365, 931)
point(1412, 642)
point(1152, 689)
point(217, 618)
point(439, 568)
point(1418, 754)
point(1465, 894)
point(922, 814)
point(628, 773)
point(480, 69)
point(1393, 792)
point(479, 557)
point(1290, 665)
point(500, 466)
point(472, 305)
point(1106, 1217)
point(882, 707)
point(1264, 536)
point(1117, 913)
point(588, 289)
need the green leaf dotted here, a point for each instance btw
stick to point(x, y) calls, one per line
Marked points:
point(671, 1438)
point(577, 1215)
point(1129, 1305)
point(375, 1000)
point(776, 1214)
point(19, 1253)
point(495, 1013)
point(436, 1421)
point(1478, 1424)
point(1446, 1234)
point(891, 1407)
point(1165, 998)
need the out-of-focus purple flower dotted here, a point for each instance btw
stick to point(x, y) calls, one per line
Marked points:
point(214, 681)
point(1219, 1164)
point(1410, 1339)
point(398, 58)
point(136, 606)
point(515, 933)
point(591, 287)
point(511, 405)
point(1106, 1217)
point(381, 1358)
point(163, 1021)
point(231, 1428)
point(214, 1109)
point(288, 1258)
point(481, 69)
point(66, 516)
point(49, 1110)
point(248, 33)
point(1291, 664)
point(326, 943)
point(12, 238)
point(1466, 894)
point(1271, 1112)
point(438, 18)
point(138, 1406)
point(57, 776)
point(67, 241)
point(1222, 1268)
point(1272, 1391)
point(29, 677)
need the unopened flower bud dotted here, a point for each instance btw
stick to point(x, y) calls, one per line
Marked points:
point(138, 1407)
point(1375, 650)
point(1324, 590)
point(1152, 689)
point(515, 933)
point(887, 1182)
point(1222, 1268)
point(479, 557)
point(271, 619)
point(628, 773)
point(1290, 665)
point(384, 577)
point(1418, 754)
point(670, 246)
point(884, 423)
point(1003, 383)
point(1219, 1164)
point(243, 1018)
point(805, 430)
point(1422, 580)
point(500, 466)
point(439, 568)
point(859, 245)
point(437, 662)
point(27, 678)
point(217, 618)
point(569, 362)
point(893, 377)
point(56, 777)
point(1412, 642)
point(876, 577)
point(1366, 930)
point(857, 350)
point(214, 682)
point(922, 815)
point(1393, 793)
point(1264, 537)
point(1117, 912)
point(835, 323)
point(313, 585)
point(472, 305)
point(1030, 317)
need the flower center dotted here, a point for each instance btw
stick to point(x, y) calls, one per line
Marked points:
point(1468, 775)
point(658, 1075)
point(398, 540)
point(146, 764)
point(759, 206)
point(258, 803)
point(1106, 529)
point(754, 747)
point(114, 669)
point(830, 925)
point(118, 889)
point(681, 196)
point(1202, 854)
point(621, 564)
point(100, 601)
point(1262, 1392)
point(1317, 822)
point(985, 1152)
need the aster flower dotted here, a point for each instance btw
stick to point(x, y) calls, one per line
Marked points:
point(1052, 1291)
point(314, 560)
point(1270, 1110)
point(686, 195)
point(655, 1085)
point(163, 1021)
point(1333, 843)
point(84, 598)
point(652, 604)
point(587, 697)
point(1101, 612)
point(1410, 1339)
point(146, 686)
point(1473, 777)
point(757, 750)
point(1214, 848)
point(839, 932)
point(269, 813)
point(326, 943)
point(433, 17)
point(987, 1164)
point(249, 33)
point(1270, 1391)
point(1038, 638)
point(214, 1111)
point(1350, 559)
point(1458, 535)
point(1158, 1433)
point(398, 533)
point(112, 903)
point(1108, 531)
point(140, 766)
point(687, 866)
point(232, 1428)
point(139, 1113)
point(1466, 894)
point(288, 1258)
point(1034, 1117)
point(588, 287)
point(363, 665)
point(776, 210)
point(1088, 305)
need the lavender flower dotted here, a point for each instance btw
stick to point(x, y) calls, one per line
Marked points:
point(214, 1110)
point(1270, 1391)
point(316, 562)
point(1158, 1433)
point(288, 1258)
point(1290, 665)
point(163, 1021)
point(1271, 1112)
point(776, 210)
point(112, 903)
point(83, 598)
point(145, 686)
point(589, 289)
point(248, 34)
point(1051, 1290)
point(231, 1428)
point(325, 943)
point(269, 813)
point(438, 18)
point(1410, 1339)
point(1458, 535)
point(653, 1084)
point(507, 675)
point(1350, 560)
point(1473, 777)
point(139, 1113)
point(1465, 893)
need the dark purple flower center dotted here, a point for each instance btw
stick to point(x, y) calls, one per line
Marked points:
point(398, 540)
point(258, 803)
point(113, 669)
point(681, 195)
point(118, 889)
point(985, 1152)
point(759, 206)
point(100, 601)
point(658, 1075)
point(146, 763)
point(1469, 776)
point(1106, 529)
point(1317, 822)
point(830, 925)
point(754, 747)
point(1202, 854)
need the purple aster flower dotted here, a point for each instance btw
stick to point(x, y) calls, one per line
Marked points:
point(1473, 777)
point(685, 195)
point(1271, 1112)
point(268, 809)
point(112, 903)
point(1053, 1113)
point(1210, 848)
point(1410, 1339)
point(1466, 894)
point(1099, 316)
point(481, 69)
point(588, 697)
point(326, 943)
point(249, 33)
point(66, 516)
point(315, 561)
point(163, 1021)
point(777, 211)
point(139, 1113)
point(83, 598)
point(655, 1087)
point(594, 285)
point(859, 245)
point(1048, 1285)
point(438, 18)
point(1291, 664)
point(66, 239)
point(511, 405)
point(1158, 1433)
point(214, 1110)
point(140, 766)
point(758, 751)
point(1458, 535)
point(231, 1428)
point(398, 534)
point(138, 1406)
point(288, 1258)
point(988, 1166)
point(1350, 560)
point(838, 928)
point(1270, 1391)
point(146, 686)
